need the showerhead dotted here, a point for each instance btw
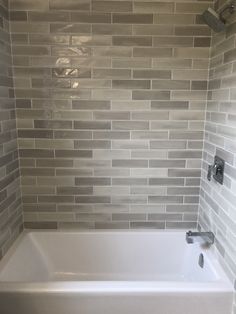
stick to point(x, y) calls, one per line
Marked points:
point(213, 20)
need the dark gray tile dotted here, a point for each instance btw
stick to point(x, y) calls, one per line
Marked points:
point(92, 144)
point(90, 17)
point(70, 28)
point(152, 52)
point(49, 16)
point(125, 163)
point(52, 124)
point(131, 84)
point(83, 5)
point(147, 225)
point(132, 41)
point(35, 134)
point(36, 153)
point(130, 125)
point(129, 181)
point(150, 74)
point(73, 153)
point(92, 199)
point(112, 29)
point(72, 134)
point(152, 95)
point(166, 181)
point(133, 18)
point(92, 125)
point(112, 6)
point(167, 163)
point(165, 199)
point(93, 181)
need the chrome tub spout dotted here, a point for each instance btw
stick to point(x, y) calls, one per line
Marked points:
point(206, 238)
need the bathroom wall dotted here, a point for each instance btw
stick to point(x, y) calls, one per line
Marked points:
point(10, 201)
point(110, 100)
point(218, 202)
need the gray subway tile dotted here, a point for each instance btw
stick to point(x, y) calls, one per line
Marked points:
point(129, 199)
point(131, 84)
point(171, 84)
point(185, 154)
point(131, 63)
point(69, 5)
point(166, 181)
point(165, 199)
point(35, 134)
point(73, 153)
point(128, 216)
point(184, 173)
point(195, 30)
point(167, 217)
point(71, 190)
point(92, 144)
point(152, 52)
point(147, 225)
point(133, 18)
point(130, 125)
point(129, 163)
point(173, 41)
point(92, 199)
point(90, 105)
point(29, 5)
point(183, 191)
point(132, 41)
point(112, 6)
point(152, 6)
point(170, 144)
point(129, 181)
point(90, 17)
point(112, 29)
point(149, 135)
point(111, 135)
point(92, 181)
point(167, 163)
point(92, 125)
point(112, 73)
point(150, 74)
point(73, 134)
point(50, 16)
point(153, 30)
point(150, 115)
point(152, 95)
point(181, 225)
point(111, 115)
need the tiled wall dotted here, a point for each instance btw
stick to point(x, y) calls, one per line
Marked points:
point(218, 203)
point(110, 102)
point(10, 209)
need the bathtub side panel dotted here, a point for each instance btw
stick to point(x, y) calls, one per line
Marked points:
point(128, 303)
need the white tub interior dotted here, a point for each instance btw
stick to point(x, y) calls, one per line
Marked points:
point(108, 256)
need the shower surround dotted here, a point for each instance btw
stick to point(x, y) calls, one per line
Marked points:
point(110, 99)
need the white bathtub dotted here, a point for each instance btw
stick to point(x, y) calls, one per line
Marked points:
point(111, 272)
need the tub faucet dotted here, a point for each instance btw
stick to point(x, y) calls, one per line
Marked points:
point(206, 238)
